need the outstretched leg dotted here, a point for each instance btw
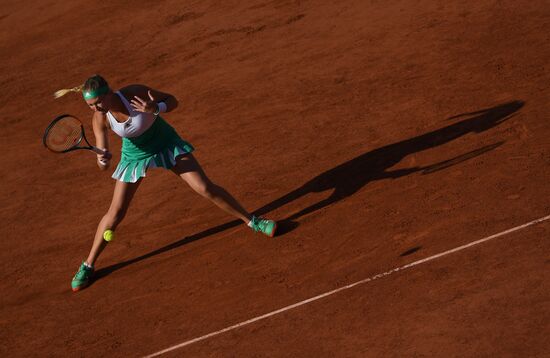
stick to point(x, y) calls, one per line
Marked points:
point(122, 196)
point(189, 169)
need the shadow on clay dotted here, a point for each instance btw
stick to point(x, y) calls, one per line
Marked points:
point(347, 178)
point(410, 251)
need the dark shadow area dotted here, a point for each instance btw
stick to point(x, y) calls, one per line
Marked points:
point(347, 178)
point(187, 240)
point(283, 226)
point(461, 158)
point(410, 251)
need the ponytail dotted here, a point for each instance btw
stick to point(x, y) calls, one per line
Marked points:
point(92, 85)
point(64, 91)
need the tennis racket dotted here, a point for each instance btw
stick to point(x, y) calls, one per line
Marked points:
point(65, 134)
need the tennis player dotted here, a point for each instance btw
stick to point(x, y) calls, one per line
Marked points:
point(148, 141)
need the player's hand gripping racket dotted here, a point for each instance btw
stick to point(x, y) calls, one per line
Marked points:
point(65, 134)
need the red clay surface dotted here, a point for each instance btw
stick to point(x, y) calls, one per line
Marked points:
point(377, 133)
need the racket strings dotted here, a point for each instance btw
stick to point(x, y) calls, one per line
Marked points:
point(64, 134)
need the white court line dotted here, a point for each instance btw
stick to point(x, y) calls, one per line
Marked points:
point(375, 277)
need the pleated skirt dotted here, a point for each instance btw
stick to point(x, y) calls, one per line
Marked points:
point(158, 147)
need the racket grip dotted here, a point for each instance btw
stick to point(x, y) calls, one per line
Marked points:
point(105, 153)
point(99, 151)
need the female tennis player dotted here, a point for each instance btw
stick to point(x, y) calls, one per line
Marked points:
point(148, 141)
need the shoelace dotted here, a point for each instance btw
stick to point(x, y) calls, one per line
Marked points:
point(82, 271)
point(256, 222)
point(262, 223)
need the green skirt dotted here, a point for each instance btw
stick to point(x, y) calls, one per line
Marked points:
point(157, 147)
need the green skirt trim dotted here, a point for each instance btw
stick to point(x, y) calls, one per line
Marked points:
point(158, 147)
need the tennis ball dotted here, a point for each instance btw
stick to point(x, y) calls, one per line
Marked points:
point(108, 235)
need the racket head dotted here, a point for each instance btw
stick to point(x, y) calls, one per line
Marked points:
point(63, 134)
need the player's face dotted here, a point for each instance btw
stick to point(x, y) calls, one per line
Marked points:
point(99, 104)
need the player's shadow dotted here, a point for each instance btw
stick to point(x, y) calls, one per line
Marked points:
point(347, 178)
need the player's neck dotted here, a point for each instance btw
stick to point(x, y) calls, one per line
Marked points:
point(118, 106)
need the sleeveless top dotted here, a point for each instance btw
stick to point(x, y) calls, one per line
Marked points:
point(137, 123)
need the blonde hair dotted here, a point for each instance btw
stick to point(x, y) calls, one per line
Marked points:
point(92, 83)
point(64, 91)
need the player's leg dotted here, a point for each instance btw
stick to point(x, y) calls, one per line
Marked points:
point(189, 169)
point(122, 196)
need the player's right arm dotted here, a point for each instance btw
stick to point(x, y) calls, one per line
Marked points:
point(101, 132)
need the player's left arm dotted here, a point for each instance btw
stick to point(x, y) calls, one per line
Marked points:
point(147, 99)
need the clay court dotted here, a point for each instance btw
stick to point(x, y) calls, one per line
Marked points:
point(377, 133)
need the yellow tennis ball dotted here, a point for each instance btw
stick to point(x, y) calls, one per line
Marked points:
point(108, 235)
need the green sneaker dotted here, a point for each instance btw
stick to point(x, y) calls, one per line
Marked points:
point(82, 277)
point(262, 225)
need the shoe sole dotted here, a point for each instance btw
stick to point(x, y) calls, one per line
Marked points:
point(76, 289)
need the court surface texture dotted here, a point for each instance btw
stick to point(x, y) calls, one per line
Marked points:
point(402, 146)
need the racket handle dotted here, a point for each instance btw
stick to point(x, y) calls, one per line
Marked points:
point(102, 152)
point(99, 151)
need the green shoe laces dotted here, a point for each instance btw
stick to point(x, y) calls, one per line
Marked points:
point(259, 224)
point(83, 272)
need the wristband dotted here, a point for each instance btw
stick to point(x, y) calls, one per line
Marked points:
point(161, 107)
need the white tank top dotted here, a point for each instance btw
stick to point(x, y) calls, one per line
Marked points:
point(137, 123)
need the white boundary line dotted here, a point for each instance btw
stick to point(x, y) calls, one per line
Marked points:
point(375, 277)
